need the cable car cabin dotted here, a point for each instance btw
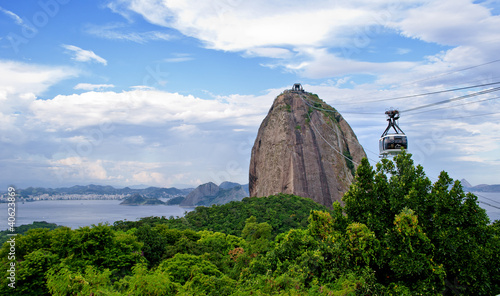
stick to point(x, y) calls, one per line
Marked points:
point(391, 144)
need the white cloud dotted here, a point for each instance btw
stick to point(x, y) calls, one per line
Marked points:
point(270, 29)
point(13, 16)
point(96, 87)
point(178, 58)
point(450, 22)
point(135, 140)
point(79, 168)
point(118, 31)
point(149, 178)
point(143, 107)
point(271, 52)
point(246, 25)
point(82, 55)
point(20, 86)
point(322, 38)
point(153, 128)
point(402, 51)
point(321, 64)
point(185, 129)
point(84, 170)
point(141, 87)
point(18, 77)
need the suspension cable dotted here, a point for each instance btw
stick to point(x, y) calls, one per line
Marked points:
point(317, 131)
point(482, 92)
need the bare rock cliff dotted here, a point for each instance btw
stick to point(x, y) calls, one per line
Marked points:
point(302, 148)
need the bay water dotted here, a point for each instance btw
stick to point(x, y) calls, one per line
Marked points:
point(490, 201)
point(78, 213)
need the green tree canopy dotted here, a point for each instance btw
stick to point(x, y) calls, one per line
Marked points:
point(432, 233)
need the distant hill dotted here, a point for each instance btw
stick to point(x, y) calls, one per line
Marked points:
point(204, 195)
point(138, 200)
point(175, 200)
point(480, 188)
point(209, 194)
point(151, 192)
point(228, 185)
point(485, 188)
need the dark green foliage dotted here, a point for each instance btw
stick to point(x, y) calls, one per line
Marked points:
point(102, 247)
point(43, 256)
point(282, 212)
point(147, 282)
point(434, 237)
point(151, 221)
point(24, 228)
point(398, 234)
point(31, 274)
point(183, 267)
point(308, 115)
point(348, 161)
point(153, 243)
point(91, 281)
point(202, 284)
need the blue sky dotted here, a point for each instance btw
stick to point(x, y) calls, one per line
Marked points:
point(171, 93)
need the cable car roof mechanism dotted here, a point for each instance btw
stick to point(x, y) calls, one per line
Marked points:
point(390, 144)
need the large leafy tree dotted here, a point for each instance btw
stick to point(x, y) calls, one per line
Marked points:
point(434, 237)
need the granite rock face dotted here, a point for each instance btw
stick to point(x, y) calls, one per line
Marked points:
point(302, 148)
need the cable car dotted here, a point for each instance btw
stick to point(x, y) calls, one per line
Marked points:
point(390, 144)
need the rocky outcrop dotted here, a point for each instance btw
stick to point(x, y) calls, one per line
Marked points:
point(203, 191)
point(304, 147)
point(209, 194)
point(465, 183)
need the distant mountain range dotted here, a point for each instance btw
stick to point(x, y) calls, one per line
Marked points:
point(209, 194)
point(480, 188)
point(151, 192)
point(203, 195)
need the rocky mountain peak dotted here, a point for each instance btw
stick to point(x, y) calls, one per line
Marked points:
point(465, 183)
point(304, 147)
point(209, 194)
point(195, 196)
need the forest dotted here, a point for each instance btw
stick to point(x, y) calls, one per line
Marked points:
point(395, 233)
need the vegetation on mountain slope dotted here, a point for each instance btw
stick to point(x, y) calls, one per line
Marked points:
point(283, 212)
